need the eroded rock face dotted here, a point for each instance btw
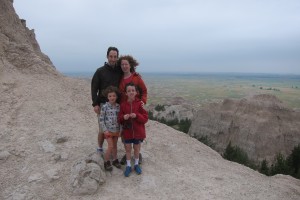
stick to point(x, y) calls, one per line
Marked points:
point(171, 112)
point(18, 44)
point(261, 125)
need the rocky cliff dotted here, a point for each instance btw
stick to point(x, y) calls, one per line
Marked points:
point(18, 45)
point(261, 125)
point(48, 136)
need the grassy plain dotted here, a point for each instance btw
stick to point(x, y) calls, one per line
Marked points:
point(199, 89)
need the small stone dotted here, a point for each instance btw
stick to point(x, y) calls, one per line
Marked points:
point(52, 174)
point(35, 178)
point(47, 146)
point(4, 155)
point(61, 139)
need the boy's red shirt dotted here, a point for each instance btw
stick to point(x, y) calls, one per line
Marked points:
point(133, 128)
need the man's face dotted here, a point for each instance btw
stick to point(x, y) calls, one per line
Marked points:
point(112, 57)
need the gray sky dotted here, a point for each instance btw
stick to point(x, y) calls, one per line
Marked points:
point(258, 36)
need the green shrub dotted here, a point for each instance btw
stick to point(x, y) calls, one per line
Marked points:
point(205, 140)
point(293, 162)
point(150, 115)
point(236, 154)
point(264, 168)
point(280, 166)
point(159, 107)
point(184, 125)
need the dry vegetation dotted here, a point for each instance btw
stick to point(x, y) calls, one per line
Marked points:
point(199, 89)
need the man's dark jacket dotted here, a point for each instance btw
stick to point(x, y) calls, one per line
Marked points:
point(104, 76)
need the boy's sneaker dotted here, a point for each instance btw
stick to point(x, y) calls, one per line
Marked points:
point(127, 171)
point(116, 163)
point(137, 169)
point(123, 160)
point(108, 166)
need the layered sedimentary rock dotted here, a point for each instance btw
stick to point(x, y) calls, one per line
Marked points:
point(261, 125)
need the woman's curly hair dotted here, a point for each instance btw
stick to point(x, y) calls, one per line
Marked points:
point(132, 62)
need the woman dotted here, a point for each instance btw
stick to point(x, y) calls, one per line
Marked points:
point(128, 65)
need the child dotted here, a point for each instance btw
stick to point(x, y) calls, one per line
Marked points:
point(108, 120)
point(133, 117)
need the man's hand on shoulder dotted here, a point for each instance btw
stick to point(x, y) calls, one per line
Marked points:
point(97, 109)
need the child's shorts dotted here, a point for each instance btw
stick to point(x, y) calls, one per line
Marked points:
point(111, 135)
point(133, 141)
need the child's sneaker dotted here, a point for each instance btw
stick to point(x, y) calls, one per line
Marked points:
point(108, 166)
point(127, 171)
point(116, 164)
point(137, 169)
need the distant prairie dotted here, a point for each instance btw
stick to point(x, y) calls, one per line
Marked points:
point(198, 89)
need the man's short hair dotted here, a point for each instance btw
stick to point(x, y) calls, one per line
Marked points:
point(112, 49)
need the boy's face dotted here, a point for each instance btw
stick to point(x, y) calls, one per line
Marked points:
point(130, 92)
point(112, 97)
point(112, 57)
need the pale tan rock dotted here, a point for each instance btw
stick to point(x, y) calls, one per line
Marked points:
point(261, 125)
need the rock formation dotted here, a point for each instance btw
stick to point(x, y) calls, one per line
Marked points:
point(48, 136)
point(18, 45)
point(171, 112)
point(261, 125)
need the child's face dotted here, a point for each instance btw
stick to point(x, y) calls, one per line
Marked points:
point(112, 97)
point(130, 92)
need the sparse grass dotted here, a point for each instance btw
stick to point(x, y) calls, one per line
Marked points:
point(201, 89)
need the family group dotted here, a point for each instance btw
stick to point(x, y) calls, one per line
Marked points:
point(119, 95)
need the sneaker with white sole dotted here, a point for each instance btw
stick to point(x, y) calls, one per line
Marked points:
point(127, 171)
point(137, 169)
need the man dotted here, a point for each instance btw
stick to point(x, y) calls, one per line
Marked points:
point(107, 75)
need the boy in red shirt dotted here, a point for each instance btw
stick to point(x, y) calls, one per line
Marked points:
point(133, 117)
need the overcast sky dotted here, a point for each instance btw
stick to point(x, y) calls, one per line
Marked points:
point(259, 36)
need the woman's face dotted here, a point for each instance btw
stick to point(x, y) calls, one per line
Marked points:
point(125, 66)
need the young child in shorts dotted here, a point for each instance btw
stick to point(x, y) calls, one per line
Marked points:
point(108, 121)
point(133, 117)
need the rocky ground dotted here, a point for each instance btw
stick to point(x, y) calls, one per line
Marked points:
point(48, 126)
